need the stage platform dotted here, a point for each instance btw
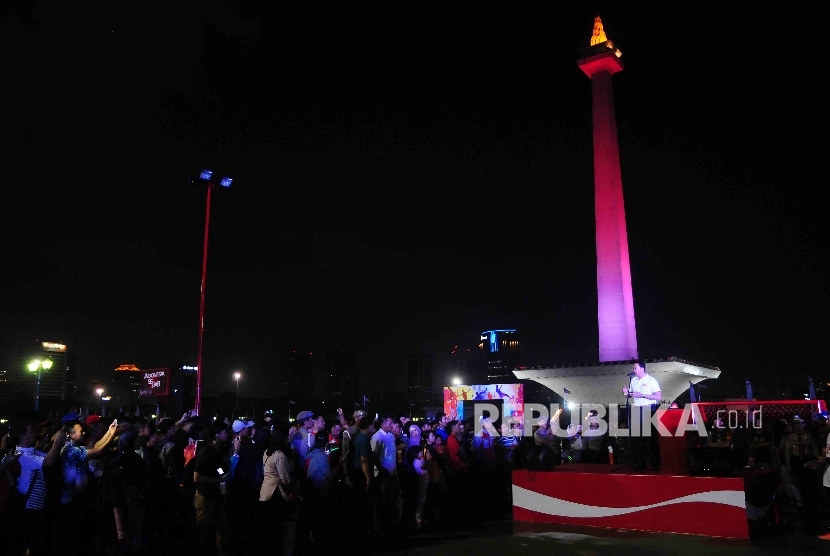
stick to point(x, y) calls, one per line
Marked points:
point(614, 496)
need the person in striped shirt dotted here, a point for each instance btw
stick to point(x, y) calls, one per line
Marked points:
point(32, 485)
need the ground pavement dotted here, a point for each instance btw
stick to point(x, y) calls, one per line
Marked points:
point(509, 539)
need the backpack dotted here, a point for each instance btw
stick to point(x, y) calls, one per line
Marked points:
point(190, 453)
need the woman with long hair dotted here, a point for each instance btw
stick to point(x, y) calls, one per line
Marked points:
point(276, 494)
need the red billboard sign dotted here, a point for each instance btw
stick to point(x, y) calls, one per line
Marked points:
point(154, 382)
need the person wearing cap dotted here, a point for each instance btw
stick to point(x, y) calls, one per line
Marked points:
point(799, 446)
point(92, 419)
point(74, 460)
point(241, 489)
point(349, 433)
point(305, 424)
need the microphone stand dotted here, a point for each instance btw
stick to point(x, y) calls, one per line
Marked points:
point(628, 414)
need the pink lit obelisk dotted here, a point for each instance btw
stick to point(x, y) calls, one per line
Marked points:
point(617, 333)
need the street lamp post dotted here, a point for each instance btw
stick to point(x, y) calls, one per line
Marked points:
point(204, 177)
point(236, 377)
point(39, 366)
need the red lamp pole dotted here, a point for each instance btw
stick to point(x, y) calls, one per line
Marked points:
point(202, 306)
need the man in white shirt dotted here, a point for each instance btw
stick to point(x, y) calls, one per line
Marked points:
point(644, 388)
point(32, 485)
point(645, 395)
point(386, 461)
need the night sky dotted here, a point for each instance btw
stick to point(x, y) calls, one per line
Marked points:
point(405, 181)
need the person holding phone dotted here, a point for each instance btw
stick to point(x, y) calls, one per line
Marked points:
point(74, 459)
point(211, 470)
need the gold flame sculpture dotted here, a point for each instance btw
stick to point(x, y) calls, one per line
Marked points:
point(598, 37)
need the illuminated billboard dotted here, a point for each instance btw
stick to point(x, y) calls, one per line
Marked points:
point(511, 395)
point(53, 346)
point(154, 382)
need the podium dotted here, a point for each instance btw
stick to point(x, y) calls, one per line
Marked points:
point(674, 450)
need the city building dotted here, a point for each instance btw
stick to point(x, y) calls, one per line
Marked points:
point(339, 378)
point(419, 377)
point(58, 382)
point(297, 373)
point(126, 380)
point(183, 389)
point(466, 364)
point(502, 354)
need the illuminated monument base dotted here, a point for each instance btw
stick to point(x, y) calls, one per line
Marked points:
point(600, 383)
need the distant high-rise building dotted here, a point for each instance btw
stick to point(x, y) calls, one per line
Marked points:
point(182, 395)
point(71, 382)
point(466, 363)
point(297, 373)
point(339, 380)
point(419, 376)
point(53, 383)
point(501, 355)
point(127, 380)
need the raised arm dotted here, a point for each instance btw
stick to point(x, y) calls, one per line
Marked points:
point(54, 452)
point(98, 449)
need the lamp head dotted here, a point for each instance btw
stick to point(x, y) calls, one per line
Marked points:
point(33, 365)
point(237, 376)
point(46, 364)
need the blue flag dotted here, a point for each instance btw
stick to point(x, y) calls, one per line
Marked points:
point(812, 389)
point(692, 395)
point(748, 390)
point(567, 391)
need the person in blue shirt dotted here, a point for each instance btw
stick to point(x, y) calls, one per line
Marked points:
point(75, 468)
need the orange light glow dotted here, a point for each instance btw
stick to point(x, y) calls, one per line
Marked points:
point(128, 367)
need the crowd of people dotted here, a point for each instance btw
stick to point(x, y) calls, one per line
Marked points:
point(81, 485)
point(793, 446)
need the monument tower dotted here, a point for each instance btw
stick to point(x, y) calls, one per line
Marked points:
point(615, 312)
point(600, 382)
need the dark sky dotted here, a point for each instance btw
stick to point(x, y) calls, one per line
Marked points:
point(406, 180)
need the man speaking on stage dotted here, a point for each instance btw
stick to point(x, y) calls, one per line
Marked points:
point(645, 395)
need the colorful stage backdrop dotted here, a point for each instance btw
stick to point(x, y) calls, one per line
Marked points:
point(512, 396)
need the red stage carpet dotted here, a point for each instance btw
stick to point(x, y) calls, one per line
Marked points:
point(611, 496)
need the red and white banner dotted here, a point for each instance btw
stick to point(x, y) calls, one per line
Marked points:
point(709, 506)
